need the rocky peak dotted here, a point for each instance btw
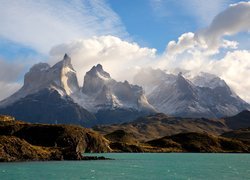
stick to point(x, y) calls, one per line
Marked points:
point(95, 79)
point(186, 89)
point(182, 82)
point(60, 76)
point(98, 72)
point(64, 63)
point(40, 67)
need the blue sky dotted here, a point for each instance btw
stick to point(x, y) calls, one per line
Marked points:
point(212, 36)
point(150, 23)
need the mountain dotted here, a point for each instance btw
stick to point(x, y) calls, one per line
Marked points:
point(52, 95)
point(204, 95)
point(45, 96)
point(109, 100)
point(241, 120)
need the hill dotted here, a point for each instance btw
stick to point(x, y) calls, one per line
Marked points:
point(20, 141)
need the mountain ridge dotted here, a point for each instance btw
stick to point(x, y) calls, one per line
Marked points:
point(204, 95)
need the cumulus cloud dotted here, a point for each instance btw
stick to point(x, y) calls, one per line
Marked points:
point(208, 40)
point(235, 69)
point(231, 21)
point(208, 50)
point(42, 24)
point(119, 57)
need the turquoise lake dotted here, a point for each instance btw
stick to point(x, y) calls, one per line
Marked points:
point(136, 166)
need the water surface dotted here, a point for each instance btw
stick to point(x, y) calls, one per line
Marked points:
point(136, 166)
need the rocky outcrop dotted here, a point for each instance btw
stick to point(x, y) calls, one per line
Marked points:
point(21, 141)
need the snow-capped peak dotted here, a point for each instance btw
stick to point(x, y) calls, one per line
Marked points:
point(208, 80)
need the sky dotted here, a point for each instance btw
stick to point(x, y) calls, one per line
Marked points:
point(126, 35)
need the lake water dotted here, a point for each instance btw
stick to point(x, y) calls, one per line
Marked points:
point(136, 166)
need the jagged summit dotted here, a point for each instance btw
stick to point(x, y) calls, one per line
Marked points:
point(66, 56)
point(61, 77)
point(95, 79)
point(102, 93)
point(97, 71)
point(64, 63)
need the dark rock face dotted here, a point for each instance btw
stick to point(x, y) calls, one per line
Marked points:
point(47, 106)
point(20, 141)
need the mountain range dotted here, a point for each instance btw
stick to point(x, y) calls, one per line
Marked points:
point(204, 95)
point(52, 95)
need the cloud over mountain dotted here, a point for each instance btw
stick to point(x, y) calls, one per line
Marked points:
point(117, 56)
point(208, 50)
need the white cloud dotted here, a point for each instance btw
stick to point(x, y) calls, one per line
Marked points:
point(9, 74)
point(229, 22)
point(235, 69)
point(120, 58)
point(233, 20)
point(204, 50)
point(185, 41)
point(8, 88)
point(42, 24)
